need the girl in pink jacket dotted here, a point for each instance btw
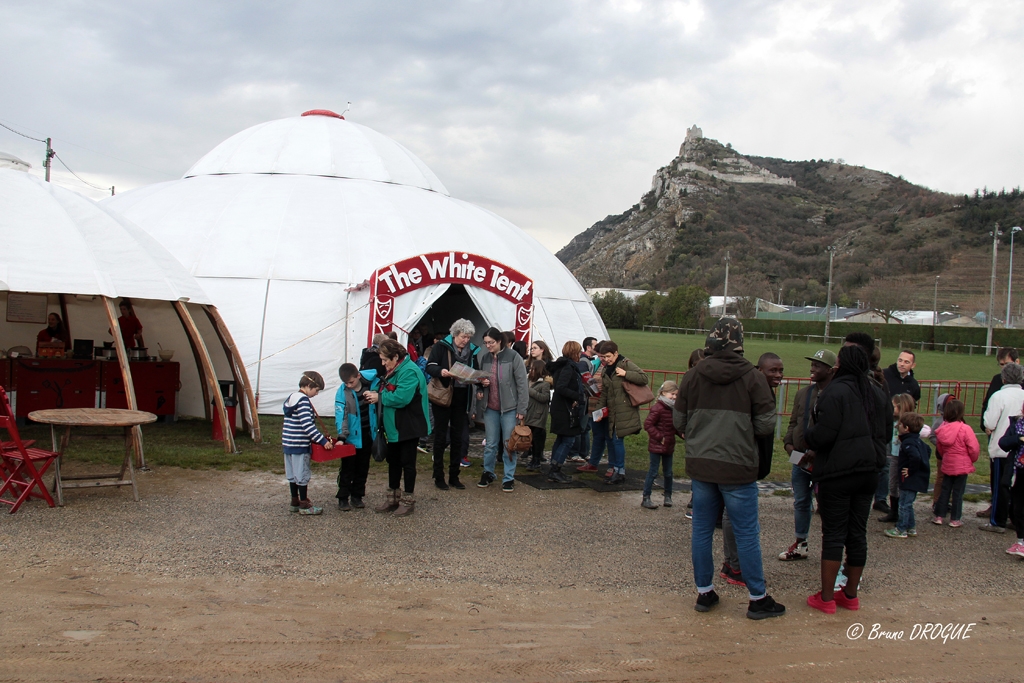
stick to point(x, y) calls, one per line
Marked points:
point(959, 450)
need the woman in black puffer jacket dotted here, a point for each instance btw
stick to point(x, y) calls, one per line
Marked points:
point(850, 411)
point(568, 408)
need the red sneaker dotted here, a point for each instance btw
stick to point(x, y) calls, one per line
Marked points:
point(586, 468)
point(817, 603)
point(845, 602)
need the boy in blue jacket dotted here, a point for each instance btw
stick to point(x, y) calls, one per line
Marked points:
point(913, 462)
point(356, 422)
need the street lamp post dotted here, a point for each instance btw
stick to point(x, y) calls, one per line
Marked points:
point(828, 296)
point(992, 290)
point(725, 294)
point(1009, 280)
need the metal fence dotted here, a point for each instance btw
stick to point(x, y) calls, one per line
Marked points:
point(777, 336)
point(971, 393)
point(981, 348)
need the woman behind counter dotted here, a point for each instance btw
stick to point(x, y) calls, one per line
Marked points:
point(131, 327)
point(54, 330)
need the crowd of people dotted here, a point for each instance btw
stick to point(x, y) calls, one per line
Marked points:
point(855, 439)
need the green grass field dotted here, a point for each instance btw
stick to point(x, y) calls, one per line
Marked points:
point(187, 442)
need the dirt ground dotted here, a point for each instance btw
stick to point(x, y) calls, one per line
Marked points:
point(209, 578)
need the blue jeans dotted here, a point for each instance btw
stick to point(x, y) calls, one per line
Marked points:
point(582, 443)
point(906, 520)
point(597, 444)
point(803, 494)
point(882, 489)
point(561, 448)
point(741, 502)
point(665, 463)
point(498, 428)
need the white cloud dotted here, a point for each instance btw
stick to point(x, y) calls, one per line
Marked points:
point(552, 114)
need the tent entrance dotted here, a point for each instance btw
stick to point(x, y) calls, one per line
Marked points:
point(449, 307)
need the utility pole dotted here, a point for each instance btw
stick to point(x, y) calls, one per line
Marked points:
point(828, 297)
point(47, 161)
point(935, 310)
point(1009, 280)
point(992, 290)
point(725, 294)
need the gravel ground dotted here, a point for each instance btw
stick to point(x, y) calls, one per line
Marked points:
point(210, 578)
point(194, 524)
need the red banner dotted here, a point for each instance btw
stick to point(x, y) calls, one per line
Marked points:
point(452, 267)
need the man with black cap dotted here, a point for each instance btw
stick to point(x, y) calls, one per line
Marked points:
point(822, 364)
point(722, 407)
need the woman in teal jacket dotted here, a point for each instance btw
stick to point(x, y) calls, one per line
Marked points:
point(403, 397)
point(356, 421)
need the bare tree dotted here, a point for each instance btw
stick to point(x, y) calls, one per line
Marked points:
point(885, 297)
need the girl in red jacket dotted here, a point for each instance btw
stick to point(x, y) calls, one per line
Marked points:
point(959, 448)
point(661, 442)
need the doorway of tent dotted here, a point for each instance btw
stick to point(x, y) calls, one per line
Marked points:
point(450, 306)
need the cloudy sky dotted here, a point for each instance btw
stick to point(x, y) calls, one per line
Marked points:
point(553, 114)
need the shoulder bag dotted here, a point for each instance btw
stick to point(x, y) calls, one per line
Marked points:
point(437, 392)
point(639, 395)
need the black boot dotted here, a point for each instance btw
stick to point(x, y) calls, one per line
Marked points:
point(894, 511)
point(881, 506)
point(555, 475)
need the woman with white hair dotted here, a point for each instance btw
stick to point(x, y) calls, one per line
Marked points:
point(1003, 405)
point(450, 408)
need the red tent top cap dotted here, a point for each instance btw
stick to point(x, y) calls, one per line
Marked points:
point(322, 112)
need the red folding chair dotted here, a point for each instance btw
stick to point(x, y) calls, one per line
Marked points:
point(23, 467)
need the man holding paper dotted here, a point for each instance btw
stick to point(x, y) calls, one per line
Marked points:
point(822, 364)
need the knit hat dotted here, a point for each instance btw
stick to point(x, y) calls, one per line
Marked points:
point(823, 356)
point(726, 335)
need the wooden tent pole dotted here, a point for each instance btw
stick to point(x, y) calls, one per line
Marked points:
point(126, 376)
point(238, 368)
point(64, 317)
point(199, 367)
point(210, 377)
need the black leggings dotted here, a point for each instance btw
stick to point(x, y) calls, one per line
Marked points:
point(844, 504)
point(537, 447)
point(401, 459)
point(353, 471)
point(952, 487)
point(455, 416)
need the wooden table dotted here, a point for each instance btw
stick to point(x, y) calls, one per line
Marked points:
point(92, 417)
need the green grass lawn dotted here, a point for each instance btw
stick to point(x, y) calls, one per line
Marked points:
point(187, 442)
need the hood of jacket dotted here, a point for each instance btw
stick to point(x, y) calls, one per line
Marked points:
point(723, 367)
point(291, 403)
point(556, 365)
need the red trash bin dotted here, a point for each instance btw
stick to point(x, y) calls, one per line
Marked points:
point(230, 407)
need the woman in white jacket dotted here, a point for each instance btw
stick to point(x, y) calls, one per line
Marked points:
point(1003, 405)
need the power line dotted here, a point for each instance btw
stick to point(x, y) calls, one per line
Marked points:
point(57, 156)
point(68, 142)
point(22, 134)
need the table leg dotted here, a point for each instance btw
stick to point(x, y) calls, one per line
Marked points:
point(142, 456)
point(58, 487)
point(128, 463)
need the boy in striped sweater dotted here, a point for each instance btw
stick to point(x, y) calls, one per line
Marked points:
point(297, 435)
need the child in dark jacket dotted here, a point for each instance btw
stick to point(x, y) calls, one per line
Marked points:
point(661, 442)
point(914, 472)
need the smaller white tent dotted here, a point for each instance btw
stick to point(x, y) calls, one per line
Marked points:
point(11, 161)
point(57, 242)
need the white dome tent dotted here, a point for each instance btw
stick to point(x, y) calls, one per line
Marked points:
point(82, 256)
point(312, 232)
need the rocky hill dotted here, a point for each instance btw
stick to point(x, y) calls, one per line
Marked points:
point(776, 218)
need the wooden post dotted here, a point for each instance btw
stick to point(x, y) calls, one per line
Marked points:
point(209, 376)
point(126, 375)
point(199, 366)
point(238, 367)
point(67, 323)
